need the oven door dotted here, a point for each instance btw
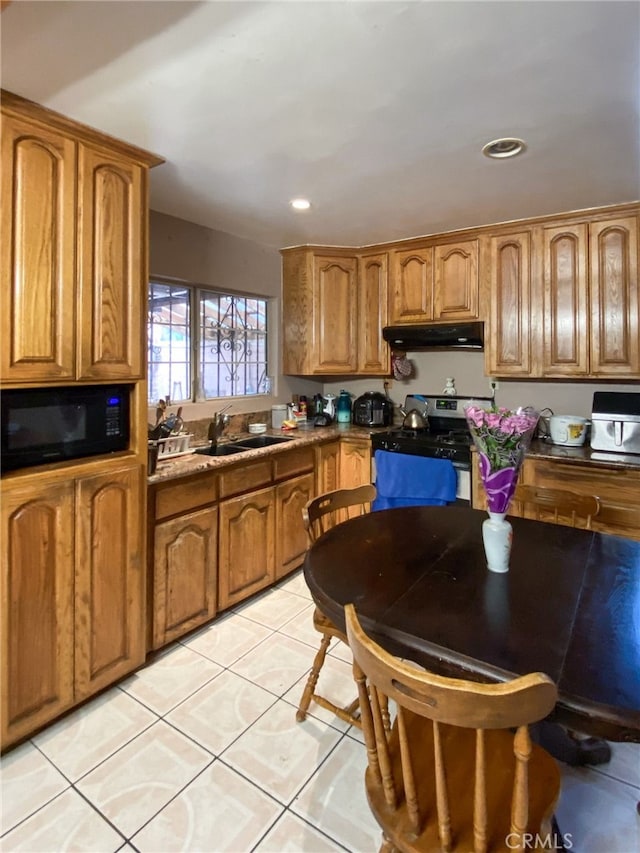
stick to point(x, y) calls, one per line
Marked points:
point(463, 472)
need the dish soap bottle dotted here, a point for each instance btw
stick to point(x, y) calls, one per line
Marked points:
point(344, 408)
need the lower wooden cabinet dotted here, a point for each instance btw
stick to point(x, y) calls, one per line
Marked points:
point(291, 537)
point(73, 590)
point(185, 578)
point(327, 467)
point(355, 463)
point(247, 546)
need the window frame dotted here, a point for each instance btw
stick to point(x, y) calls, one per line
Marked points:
point(196, 389)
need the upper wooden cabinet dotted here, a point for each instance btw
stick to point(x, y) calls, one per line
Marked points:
point(38, 285)
point(333, 305)
point(564, 299)
point(508, 346)
point(74, 247)
point(434, 282)
point(112, 241)
point(372, 351)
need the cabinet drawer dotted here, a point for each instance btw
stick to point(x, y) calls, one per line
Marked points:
point(185, 495)
point(620, 485)
point(245, 478)
point(294, 462)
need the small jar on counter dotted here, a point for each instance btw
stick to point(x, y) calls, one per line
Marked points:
point(278, 415)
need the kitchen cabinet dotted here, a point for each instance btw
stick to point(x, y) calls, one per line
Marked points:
point(411, 293)
point(73, 589)
point(508, 341)
point(290, 535)
point(247, 546)
point(185, 574)
point(38, 285)
point(74, 221)
point(618, 490)
point(327, 467)
point(438, 281)
point(111, 246)
point(372, 351)
point(355, 462)
point(334, 303)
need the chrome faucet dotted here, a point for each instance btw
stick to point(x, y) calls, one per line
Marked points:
point(216, 427)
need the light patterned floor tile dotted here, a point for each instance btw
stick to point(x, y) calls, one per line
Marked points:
point(297, 584)
point(173, 676)
point(334, 799)
point(68, 823)
point(336, 683)
point(27, 782)
point(301, 628)
point(80, 741)
point(220, 711)
point(219, 811)
point(279, 754)
point(139, 780)
point(276, 664)
point(273, 610)
point(624, 764)
point(228, 639)
point(293, 835)
point(599, 813)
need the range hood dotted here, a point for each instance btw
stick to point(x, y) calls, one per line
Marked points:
point(469, 336)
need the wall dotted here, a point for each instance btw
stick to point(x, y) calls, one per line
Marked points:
point(187, 252)
point(431, 370)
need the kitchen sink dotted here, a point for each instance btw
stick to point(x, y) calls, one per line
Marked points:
point(221, 450)
point(261, 441)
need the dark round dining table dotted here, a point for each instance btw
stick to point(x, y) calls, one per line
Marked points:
point(569, 605)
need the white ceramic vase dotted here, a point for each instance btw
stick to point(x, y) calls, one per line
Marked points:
point(496, 535)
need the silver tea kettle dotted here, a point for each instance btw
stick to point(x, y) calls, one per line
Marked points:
point(413, 419)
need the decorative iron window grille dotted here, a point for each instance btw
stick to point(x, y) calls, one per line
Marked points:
point(213, 342)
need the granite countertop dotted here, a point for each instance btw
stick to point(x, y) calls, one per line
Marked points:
point(583, 455)
point(193, 463)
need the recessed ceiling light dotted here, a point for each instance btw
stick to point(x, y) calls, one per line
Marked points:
point(508, 146)
point(300, 204)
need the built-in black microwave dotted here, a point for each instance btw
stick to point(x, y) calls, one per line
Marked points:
point(42, 425)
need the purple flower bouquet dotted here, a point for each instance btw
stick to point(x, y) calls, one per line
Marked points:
point(502, 437)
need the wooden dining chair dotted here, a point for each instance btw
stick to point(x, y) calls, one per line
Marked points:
point(453, 774)
point(563, 506)
point(319, 515)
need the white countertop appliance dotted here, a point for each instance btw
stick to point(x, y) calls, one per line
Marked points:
point(615, 421)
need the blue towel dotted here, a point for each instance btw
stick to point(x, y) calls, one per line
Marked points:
point(403, 480)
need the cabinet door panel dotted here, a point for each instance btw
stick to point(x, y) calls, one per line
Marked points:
point(456, 281)
point(111, 285)
point(291, 537)
point(355, 463)
point(247, 548)
point(110, 588)
point(37, 601)
point(373, 351)
point(334, 314)
point(412, 286)
point(615, 317)
point(508, 344)
point(38, 253)
point(328, 467)
point(185, 574)
point(565, 301)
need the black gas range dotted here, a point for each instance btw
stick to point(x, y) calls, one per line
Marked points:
point(447, 435)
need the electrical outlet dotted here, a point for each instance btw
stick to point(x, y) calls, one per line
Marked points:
point(494, 384)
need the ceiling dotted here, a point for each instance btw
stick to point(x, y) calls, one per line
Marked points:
point(375, 111)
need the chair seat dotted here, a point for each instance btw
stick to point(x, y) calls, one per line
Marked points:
point(324, 625)
point(459, 751)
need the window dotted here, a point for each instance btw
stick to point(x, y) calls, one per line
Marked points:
point(215, 343)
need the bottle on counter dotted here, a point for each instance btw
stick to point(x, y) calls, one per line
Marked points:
point(343, 410)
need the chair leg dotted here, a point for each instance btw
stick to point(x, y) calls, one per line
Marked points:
point(310, 686)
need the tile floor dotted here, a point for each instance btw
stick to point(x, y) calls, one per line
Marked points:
point(201, 752)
